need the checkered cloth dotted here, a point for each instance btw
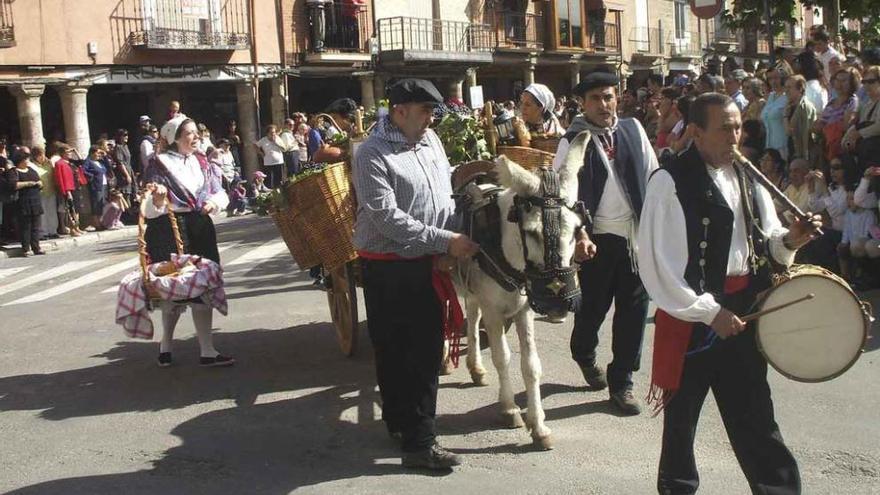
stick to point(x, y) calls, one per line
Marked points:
point(204, 281)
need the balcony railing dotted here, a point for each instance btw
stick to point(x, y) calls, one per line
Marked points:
point(340, 28)
point(688, 45)
point(786, 40)
point(647, 40)
point(185, 25)
point(519, 30)
point(608, 39)
point(434, 39)
point(7, 26)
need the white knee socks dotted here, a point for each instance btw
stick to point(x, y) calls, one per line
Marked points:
point(203, 317)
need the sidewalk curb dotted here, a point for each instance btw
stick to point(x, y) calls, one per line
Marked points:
point(66, 243)
point(92, 238)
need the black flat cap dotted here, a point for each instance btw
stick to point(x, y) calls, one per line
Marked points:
point(342, 106)
point(596, 79)
point(414, 91)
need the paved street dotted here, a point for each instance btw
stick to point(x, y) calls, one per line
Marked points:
point(84, 410)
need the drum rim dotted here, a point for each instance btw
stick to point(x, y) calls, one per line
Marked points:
point(866, 324)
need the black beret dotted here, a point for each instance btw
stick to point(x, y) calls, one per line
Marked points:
point(414, 91)
point(596, 79)
point(342, 106)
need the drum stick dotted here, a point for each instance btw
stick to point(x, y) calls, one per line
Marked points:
point(755, 316)
point(774, 191)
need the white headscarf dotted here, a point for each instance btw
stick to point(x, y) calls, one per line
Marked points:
point(169, 129)
point(543, 95)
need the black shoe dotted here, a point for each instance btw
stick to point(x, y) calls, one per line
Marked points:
point(216, 361)
point(434, 457)
point(164, 359)
point(595, 377)
point(626, 402)
point(40, 252)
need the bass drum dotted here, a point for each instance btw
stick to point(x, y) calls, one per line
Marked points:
point(815, 341)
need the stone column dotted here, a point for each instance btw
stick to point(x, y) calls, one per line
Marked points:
point(529, 74)
point(278, 102)
point(76, 115)
point(454, 88)
point(247, 126)
point(470, 80)
point(30, 115)
point(574, 71)
point(378, 88)
point(368, 99)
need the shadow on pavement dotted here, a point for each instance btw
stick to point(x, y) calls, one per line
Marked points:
point(303, 414)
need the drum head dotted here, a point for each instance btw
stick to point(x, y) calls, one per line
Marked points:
point(815, 340)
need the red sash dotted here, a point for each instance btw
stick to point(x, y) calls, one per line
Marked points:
point(671, 338)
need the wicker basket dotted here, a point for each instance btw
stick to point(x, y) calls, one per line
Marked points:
point(544, 143)
point(528, 158)
point(290, 226)
point(320, 216)
point(165, 268)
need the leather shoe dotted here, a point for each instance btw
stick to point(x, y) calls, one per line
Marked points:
point(595, 377)
point(434, 457)
point(626, 402)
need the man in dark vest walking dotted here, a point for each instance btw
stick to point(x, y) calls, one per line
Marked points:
point(617, 161)
point(709, 236)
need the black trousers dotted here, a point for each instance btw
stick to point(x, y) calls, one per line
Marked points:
point(404, 321)
point(609, 276)
point(29, 231)
point(274, 175)
point(737, 374)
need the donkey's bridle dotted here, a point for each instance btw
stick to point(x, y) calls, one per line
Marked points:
point(554, 286)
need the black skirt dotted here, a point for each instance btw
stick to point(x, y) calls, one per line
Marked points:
point(196, 230)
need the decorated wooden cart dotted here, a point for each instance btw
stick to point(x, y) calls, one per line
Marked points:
point(316, 221)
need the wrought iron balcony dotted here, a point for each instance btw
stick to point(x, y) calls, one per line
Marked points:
point(410, 39)
point(686, 46)
point(191, 25)
point(608, 40)
point(338, 28)
point(647, 41)
point(7, 26)
point(517, 30)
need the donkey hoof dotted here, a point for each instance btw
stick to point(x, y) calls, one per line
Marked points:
point(543, 443)
point(479, 378)
point(512, 420)
point(447, 368)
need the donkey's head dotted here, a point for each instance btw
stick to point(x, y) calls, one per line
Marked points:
point(547, 215)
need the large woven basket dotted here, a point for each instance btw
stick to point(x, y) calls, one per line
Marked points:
point(290, 226)
point(528, 158)
point(321, 214)
point(544, 143)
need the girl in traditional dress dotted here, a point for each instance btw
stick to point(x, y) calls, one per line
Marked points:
point(182, 178)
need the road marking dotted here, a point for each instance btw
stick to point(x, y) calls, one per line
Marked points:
point(258, 255)
point(6, 272)
point(220, 249)
point(77, 282)
point(48, 275)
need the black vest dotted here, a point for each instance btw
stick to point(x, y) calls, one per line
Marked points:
point(593, 175)
point(709, 224)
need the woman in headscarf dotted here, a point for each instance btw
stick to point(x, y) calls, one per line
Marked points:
point(180, 177)
point(536, 104)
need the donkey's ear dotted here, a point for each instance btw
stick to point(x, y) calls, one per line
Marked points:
point(511, 175)
point(571, 166)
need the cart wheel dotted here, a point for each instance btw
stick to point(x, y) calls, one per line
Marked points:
point(342, 299)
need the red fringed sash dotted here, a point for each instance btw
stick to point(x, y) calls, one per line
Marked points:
point(671, 338)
